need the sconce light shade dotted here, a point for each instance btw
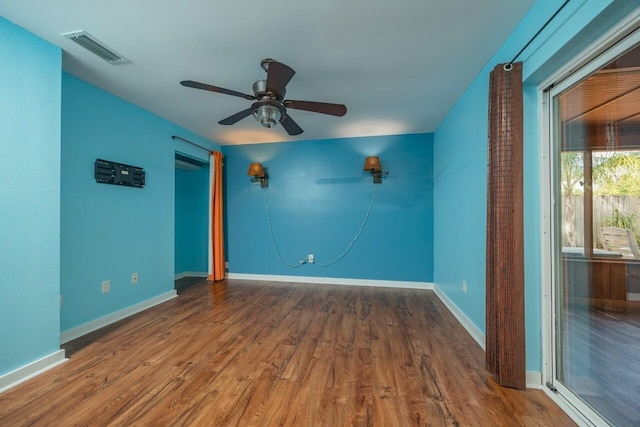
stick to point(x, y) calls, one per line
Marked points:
point(257, 172)
point(372, 164)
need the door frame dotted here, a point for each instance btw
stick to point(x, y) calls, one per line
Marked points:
point(621, 37)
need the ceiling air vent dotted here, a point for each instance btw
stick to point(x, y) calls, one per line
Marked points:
point(89, 42)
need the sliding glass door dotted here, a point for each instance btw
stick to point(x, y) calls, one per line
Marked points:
point(595, 144)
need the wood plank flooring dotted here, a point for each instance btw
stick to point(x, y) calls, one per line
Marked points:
point(271, 354)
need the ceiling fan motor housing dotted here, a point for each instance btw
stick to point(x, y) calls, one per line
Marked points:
point(260, 91)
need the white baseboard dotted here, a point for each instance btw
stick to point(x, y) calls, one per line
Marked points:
point(471, 327)
point(20, 375)
point(190, 274)
point(534, 379)
point(331, 281)
point(94, 325)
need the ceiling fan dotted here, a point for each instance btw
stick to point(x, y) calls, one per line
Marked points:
point(270, 106)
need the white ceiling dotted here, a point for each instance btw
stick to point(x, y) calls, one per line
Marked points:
point(398, 66)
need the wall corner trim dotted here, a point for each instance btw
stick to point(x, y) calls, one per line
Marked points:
point(101, 322)
point(332, 281)
point(30, 370)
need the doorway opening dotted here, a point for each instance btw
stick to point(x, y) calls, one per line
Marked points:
point(191, 221)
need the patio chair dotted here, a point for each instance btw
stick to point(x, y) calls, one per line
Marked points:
point(621, 240)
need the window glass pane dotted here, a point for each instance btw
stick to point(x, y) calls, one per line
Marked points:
point(616, 202)
point(572, 191)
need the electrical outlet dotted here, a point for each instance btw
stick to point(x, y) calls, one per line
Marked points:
point(106, 286)
point(226, 265)
point(464, 286)
point(134, 278)
point(310, 259)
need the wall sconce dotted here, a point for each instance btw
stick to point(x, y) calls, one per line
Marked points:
point(257, 172)
point(372, 164)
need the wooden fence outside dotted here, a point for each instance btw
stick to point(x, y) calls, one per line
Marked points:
point(604, 207)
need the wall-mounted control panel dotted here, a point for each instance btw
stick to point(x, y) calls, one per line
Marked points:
point(119, 174)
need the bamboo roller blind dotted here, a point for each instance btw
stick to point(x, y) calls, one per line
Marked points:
point(505, 338)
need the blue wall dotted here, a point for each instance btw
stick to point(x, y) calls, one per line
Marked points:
point(29, 197)
point(192, 220)
point(109, 231)
point(318, 197)
point(460, 153)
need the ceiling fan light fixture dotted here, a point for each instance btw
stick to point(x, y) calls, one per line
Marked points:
point(270, 107)
point(267, 115)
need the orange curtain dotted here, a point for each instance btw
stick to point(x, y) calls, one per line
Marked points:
point(217, 270)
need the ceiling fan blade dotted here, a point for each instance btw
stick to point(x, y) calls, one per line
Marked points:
point(236, 117)
point(290, 125)
point(196, 85)
point(278, 76)
point(317, 107)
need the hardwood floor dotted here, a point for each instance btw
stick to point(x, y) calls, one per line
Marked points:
point(183, 284)
point(268, 354)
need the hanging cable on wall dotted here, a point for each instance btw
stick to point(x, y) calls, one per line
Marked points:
point(273, 239)
point(336, 259)
point(356, 237)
